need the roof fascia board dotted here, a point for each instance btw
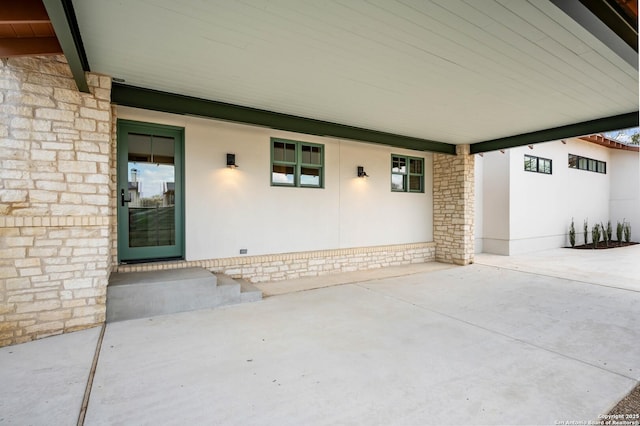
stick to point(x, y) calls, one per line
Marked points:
point(179, 104)
point(605, 25)
point(616, 122)
point(64, 23)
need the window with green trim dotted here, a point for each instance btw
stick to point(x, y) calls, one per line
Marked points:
point(298, 164)
point(407, 174)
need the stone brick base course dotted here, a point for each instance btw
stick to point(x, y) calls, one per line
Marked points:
point(52, 278)
point(275, 267)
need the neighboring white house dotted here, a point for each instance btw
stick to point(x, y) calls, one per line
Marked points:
point(526, 197)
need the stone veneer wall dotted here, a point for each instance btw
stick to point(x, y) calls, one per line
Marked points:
point(55, 148)
point(453, 206)
point(284, 266)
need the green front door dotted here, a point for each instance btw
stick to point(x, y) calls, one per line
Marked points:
point(150, 192)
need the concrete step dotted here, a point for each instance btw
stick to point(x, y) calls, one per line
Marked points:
point(248, 292)
point(134, 295)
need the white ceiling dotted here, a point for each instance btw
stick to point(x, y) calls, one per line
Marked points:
point(447, 70)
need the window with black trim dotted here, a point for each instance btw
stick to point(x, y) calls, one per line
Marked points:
point(583, 163)
point(407, 173)
point(298, 164)
point(537, 164)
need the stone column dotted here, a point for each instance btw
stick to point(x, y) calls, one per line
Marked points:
point(55, 206)
point(453, 206)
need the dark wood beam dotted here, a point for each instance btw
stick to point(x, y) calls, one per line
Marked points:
point(597, 17)
point(23, 12)
point(29, 46)
point(606, 124)
point(179, 104)
point(64, 22)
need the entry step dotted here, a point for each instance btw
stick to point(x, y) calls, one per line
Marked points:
point(132, 295)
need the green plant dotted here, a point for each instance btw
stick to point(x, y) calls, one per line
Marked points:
point(619, 229)
point(627, 232)
point(572, 234)
point(586, 231)
point(609, 231)
point(605, 233)
point(595, 235)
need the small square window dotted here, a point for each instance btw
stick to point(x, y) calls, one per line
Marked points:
point(407, 179)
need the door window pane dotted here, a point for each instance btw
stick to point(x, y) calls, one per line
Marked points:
point(151, 189)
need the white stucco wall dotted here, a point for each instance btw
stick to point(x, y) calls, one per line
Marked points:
point(542, 205)
point(495, 204)
point(479, 204)
point(232, 209)
point(625, 190)
point(526, 211)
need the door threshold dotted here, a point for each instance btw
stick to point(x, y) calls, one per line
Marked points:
point(153, 260)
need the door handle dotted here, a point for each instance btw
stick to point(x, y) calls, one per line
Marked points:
point(122, 199)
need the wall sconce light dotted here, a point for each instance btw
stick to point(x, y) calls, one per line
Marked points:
point(231, 161)
point(361, 172)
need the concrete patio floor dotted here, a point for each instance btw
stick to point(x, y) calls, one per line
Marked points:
point(518, 340)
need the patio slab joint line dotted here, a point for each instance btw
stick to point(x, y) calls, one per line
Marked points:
point(555, 276)
point(499, 333)
point(92, 372)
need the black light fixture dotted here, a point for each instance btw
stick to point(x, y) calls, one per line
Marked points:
point(361, 172)
point(231, 161)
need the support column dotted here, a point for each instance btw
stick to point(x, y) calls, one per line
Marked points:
point(453, 206)
point(55, 200)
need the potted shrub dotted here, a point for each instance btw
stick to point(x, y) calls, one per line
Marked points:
point(586, 231)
